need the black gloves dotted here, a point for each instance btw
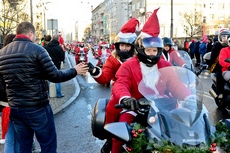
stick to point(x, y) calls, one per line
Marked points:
point(130, 103)
point(91, 67)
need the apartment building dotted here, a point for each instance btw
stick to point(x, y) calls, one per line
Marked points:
point(109, 16)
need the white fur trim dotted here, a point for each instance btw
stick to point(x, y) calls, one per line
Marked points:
point(126, 35)
point(129, 112)
point(144, 34)
point(123, 98)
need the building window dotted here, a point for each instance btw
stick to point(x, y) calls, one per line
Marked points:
point(204, 19)
point(211, 5)
point(212, 16)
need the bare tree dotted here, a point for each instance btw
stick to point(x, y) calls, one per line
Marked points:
point(12, 12)
point(192, 23)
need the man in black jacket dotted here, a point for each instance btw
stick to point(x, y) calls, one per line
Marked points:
point(57, 55)
point(25, 67)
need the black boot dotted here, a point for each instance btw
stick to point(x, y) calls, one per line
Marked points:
point(107, 147)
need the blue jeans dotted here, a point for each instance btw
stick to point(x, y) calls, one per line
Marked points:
point(38, 121)
point(58, 89)
point(11, 141)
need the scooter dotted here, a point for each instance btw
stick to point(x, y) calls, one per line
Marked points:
point(185, 123)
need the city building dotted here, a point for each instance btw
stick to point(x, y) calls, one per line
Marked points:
point(177, 18)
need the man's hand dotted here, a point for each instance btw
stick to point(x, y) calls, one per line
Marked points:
point(91, 68)
point(81, 68)
point(130, 103)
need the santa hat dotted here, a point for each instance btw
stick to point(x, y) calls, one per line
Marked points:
point(129, 29)
point(103, 44)
point(151, 28)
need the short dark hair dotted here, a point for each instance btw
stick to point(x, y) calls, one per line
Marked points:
point(47, 38)
point(55, 37)
point(25, 28)
point(8, 39)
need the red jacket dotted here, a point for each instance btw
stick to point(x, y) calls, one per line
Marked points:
point(129, 76)
point(224, 53)
point(173, 58)
point(108, 71)
point(61, 40)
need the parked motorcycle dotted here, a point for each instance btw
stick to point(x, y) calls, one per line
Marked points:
point(184, 123)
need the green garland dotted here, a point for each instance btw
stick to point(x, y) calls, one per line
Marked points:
point(141, 144)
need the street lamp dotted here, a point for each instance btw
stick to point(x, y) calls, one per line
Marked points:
point(31, 11)
point(171, 31)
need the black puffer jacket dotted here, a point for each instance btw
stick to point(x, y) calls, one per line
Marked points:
point(56, 53)
point(25, 67)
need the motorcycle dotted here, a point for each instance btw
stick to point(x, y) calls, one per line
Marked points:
point(222, 100)
point(81, 56)
point(165, 118)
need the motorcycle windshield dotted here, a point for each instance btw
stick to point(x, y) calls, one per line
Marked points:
point(186, 58)
point(174, 90)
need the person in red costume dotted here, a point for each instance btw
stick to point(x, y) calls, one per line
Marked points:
point(225, 54)
point(81, 48)
point(103, 53)
point(170, 55)
point(124, 50)
point(125, 90)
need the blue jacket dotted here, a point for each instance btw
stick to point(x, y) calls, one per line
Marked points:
point(25, 67)
point(203, 47)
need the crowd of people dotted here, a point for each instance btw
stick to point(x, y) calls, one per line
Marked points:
point(28, 65)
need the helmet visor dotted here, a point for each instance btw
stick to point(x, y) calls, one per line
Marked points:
point(152, 42)
point(128, 40)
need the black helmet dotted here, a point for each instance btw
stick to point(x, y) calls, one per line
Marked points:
point(142, 43)
point(81, 45)
point(167, 41)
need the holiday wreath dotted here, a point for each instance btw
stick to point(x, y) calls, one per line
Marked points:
point(141, 144)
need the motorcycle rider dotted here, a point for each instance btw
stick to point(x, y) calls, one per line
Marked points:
point(124, 50)
point(170, 55)
point(214, 64)
point(125, 90)
point(79, 50)
point(224, 54)
point(103, 53)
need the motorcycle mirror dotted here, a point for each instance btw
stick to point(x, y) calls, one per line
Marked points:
point(227, 60)
point(120, 130)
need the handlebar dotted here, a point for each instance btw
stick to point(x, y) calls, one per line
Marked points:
point(119, 106)
point(142, 103)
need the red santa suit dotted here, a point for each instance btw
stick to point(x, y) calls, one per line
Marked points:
point(77, 54)
point(109, 70)
point(128, 77)
point(173, 58)
point(224, 54)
